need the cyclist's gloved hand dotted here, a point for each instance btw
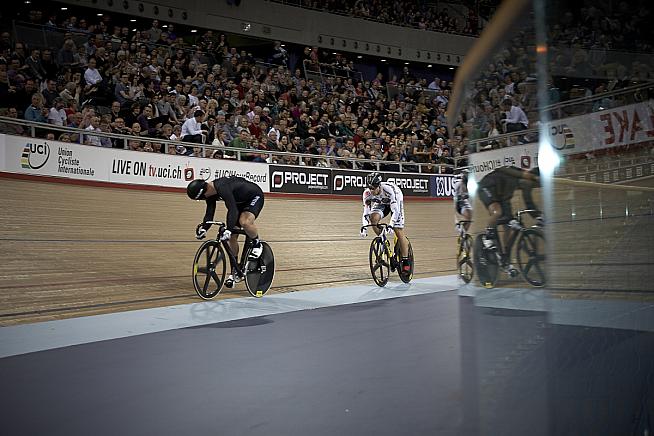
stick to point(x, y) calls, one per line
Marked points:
point(540, 221)
point(364, 232)
point(226, 235)
point(200, 232)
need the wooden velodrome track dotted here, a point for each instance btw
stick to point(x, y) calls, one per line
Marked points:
point(71, 250)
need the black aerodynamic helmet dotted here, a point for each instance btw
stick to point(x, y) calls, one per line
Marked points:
point(196, 189)
point(373, 180)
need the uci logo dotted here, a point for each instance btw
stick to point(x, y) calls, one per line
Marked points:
point(562, 137)
point(35, 156)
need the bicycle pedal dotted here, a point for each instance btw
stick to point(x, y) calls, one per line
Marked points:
point(229, 283)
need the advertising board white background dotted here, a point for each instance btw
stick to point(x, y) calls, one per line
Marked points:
point(61, 159)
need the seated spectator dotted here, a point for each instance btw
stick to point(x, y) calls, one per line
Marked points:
point(516, 119)
point(57, 114)
point(36, 112)
point(192, 128)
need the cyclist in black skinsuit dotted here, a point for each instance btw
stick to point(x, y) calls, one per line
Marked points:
point(243, 199)
point(496, 190)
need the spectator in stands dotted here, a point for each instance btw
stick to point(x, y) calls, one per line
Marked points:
point(57, 114)
point(36, 112)
point(192, 128)
point(516, 119)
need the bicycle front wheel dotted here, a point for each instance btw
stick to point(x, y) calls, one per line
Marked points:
point(260, 272)
point(464, 260)
point(485, 262)
point(209, 267)
point(531, 256)
point(379, 262)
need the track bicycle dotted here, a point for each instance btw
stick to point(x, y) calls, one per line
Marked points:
point(530, 253)
point(384, 259)
point(210, 266)
point(463, 258)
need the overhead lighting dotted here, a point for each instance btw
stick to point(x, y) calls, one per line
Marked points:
point(406, 63)
point(429, 66)
point(133, 30)
point(27, 2)
point(359, 57)
point(333, 52)
point(451, 68)
point(64, 8)
point(283, 45)
point(383, 60)
point(99, 15)
point(194, 30)
point(133, 20)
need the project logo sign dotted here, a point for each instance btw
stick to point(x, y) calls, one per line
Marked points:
point(35, 155)
point(299, 180)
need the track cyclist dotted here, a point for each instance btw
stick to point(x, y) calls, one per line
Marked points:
point(380, 199)
point(244, 201)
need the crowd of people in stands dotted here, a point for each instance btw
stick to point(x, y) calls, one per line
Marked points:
point(151, 86)
point(148, 86)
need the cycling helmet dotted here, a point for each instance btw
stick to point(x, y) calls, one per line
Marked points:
point(373, 180)
point(196, 189)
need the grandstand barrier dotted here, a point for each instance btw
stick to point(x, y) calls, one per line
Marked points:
point(35, 157)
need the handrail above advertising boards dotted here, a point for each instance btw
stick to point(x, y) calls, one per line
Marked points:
point(379, 165)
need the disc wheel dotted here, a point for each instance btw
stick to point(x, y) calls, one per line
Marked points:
point(405, 277)
point(209, 267)
point(531, 256)
point(485, 262)
point(379, 262)
point(464, 259)
point(259, 273)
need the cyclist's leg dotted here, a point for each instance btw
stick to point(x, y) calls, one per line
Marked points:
point(466, 213)
point(374, 217)
point(246, 221)
point(398, 225)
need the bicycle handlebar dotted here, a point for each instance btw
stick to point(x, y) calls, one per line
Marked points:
point(222, 225)
point(380, 226)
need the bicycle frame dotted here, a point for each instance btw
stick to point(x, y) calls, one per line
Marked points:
point(384, 227)
point(233, 261)
point(504, 250)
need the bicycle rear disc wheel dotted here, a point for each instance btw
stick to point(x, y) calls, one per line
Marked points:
point(260, 272)
point(464, 260)
point(379, 262)
point(405, 277)
point(531, 256)
point(209, 267)
point(485, 262)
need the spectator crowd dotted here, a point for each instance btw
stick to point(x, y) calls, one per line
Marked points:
point(151, 85)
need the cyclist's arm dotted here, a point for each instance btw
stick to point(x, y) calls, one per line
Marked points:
point(209, 213)
point(230, 203)
point(366, 208)
point(396, 204)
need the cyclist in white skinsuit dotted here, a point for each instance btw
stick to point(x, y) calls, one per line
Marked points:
point(462, 205)
point(380, 199)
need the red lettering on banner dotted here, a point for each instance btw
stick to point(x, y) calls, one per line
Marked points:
point(608, 128)
point(635, 125)
point(623, 122)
